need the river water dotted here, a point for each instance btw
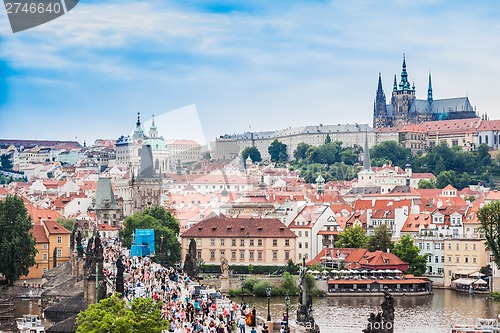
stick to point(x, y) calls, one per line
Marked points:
point(419, 314)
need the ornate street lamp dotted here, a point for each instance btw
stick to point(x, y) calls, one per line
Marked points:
point(242, 278)
point(268, 293)
point(287, 304)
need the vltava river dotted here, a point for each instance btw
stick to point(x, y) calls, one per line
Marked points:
point(420, 314)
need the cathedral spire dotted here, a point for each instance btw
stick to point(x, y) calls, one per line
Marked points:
point(153, 131)
point(429, 90)
point(395, 87)
point(138, 132)
point(379, 88)
point(404, 84)
point(367, 165)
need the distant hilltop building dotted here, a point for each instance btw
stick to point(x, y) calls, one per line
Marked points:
point(229, 147)
point(405, 108)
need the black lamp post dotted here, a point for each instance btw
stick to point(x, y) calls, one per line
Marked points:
point(242, 278)
point(287, 304)
point(268, 292)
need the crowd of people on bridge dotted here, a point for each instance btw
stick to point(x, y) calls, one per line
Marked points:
point(185, 309)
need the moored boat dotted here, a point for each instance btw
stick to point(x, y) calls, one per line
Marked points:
point(30, 324)
point(480, 326)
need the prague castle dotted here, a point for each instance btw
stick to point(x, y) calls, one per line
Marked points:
point(405, 108)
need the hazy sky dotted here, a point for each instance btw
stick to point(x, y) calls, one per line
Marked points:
point(265, 64)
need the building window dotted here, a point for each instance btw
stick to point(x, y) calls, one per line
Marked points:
point(242, 242)
point(300, 233)
point(233, 255)
point(473, 247)
point(466, 260)
point(198, 254)
point(212, 255)
point(287, 242)
point(59, 239)
point(449, 246)
point(428, 246)
point(45, 256)
point(45, 246)
point(306, 233)
point(300, 256)
point(442, 258)
point(259, 255)
point(251, 242)
point(474, 260)
point(457, 259)
point(449, 258)
point(222, 242)
point(222, 254)
point(306, 245)
point(458, 247)
point(242, 255)
point(436, 259)
point(275, 255)
point(59, 253)
point(466, 246)
point(300, 245)
point(259, 242)
point(287, 255)
point(275, 242)
point(212, 241)
point(199, 242)
point(251, 253)
point(233, 242)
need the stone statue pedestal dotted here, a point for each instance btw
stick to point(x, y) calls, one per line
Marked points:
point(224, 285)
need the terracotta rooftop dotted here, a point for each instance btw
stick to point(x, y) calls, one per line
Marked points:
point(236, 227)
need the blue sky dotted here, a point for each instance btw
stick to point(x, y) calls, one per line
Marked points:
point(265, 64)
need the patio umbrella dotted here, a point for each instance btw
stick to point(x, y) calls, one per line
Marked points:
point(325, 271)
point(480, 281)
point(477, 274)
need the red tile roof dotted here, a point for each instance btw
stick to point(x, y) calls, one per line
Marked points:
point(39, 233)
point(235, 227)
point(54, 228)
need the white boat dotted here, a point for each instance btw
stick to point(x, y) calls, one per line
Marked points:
point(30, 324)
point(480, 326)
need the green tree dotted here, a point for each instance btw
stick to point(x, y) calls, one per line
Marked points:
point(288, 284)
point(253, 152)
point(464, 181)
point(439, 167)
point(300, 152)
point(352, 237)
point(489, 217)
point(407, 251)
point(328, 139)
point(17, 243)
point(115, 315)
point(349, 156)
point(5, 162)
point(277, 151)
point(390, 150)
point(445, 178)
point(66, 223)
point(164, 225)
point(291, 267)
point(424, 183)
point(483, 156)
point(381, 239)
